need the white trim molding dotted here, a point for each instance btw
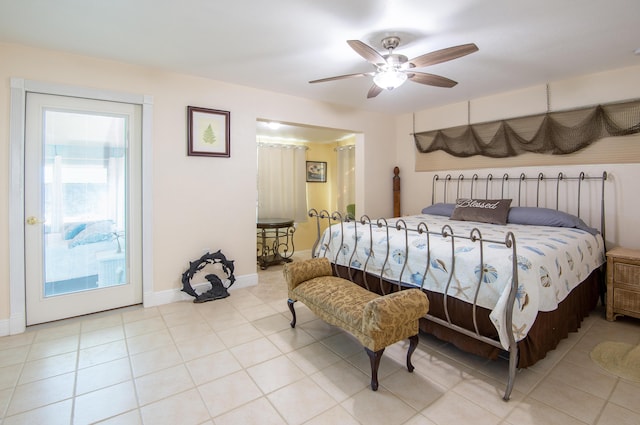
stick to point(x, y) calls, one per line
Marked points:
point(174, 295)
point(19, 88)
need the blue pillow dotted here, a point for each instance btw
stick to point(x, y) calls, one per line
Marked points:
point(439, 209)
point(72, 230)
point(547, 217)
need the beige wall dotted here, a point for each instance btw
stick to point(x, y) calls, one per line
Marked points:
point(198, 202)
point(622, 201)
point(201, 203)
point(321, 196)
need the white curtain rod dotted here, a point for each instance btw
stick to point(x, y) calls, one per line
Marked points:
point(281, 145)
point(344, 148)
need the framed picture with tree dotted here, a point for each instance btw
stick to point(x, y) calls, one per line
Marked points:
point(208, 132)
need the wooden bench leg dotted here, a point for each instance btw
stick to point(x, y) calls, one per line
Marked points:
point(413, 344)
point(374, 358)
point(293, 312)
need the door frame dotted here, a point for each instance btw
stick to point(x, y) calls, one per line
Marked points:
point(19, 89)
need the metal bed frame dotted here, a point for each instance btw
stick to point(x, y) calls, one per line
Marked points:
point(504, 182)
point(446, 232)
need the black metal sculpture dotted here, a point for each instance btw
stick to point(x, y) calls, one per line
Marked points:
point(218, 290)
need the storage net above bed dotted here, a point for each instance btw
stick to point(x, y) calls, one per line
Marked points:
point(552, 133)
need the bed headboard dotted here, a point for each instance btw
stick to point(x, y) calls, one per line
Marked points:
point(560, 192)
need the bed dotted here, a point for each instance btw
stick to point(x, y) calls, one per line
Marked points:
point(504, 268)
point(84, 255)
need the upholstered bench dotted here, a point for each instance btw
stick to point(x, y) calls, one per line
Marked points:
point(376, 321)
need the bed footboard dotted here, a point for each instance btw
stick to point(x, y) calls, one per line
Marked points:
point(394, 274)
point(384, 268)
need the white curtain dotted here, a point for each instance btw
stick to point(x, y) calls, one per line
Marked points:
point(282, 187)
point(346, 176)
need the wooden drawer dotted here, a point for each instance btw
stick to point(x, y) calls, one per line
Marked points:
point(626, 274)
point(623, 282)
point(627, 301)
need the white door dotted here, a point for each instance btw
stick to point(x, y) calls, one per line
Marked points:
point(82, 206)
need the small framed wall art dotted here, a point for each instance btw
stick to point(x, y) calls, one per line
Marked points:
point(316, 171)
point(209, 133)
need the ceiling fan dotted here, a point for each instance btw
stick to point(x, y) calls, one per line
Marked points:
point(393, 69)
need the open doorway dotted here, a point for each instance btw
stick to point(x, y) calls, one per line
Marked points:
point(322, 147)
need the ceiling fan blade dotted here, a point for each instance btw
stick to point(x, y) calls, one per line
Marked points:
point(374, 91)
point(366, 52)
point(340, 77)
point(443, 55)
point(431, 79)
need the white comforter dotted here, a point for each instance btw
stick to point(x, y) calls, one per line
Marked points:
point(551, 262)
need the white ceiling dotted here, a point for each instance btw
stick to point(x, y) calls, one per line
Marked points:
point(292, 132)
point(279, 45)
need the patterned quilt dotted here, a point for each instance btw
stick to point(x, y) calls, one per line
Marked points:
point(551, 262)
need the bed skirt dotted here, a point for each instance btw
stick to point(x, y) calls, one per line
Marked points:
point(548, 330)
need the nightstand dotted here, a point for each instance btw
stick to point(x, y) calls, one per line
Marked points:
point(623, 283)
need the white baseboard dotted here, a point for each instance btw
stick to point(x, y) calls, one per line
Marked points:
point(303, 254)
point(175, 295)
point(4, 327)
point(13, 325)
point(16, 325)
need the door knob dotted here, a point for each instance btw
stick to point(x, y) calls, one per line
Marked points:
point(31, 220)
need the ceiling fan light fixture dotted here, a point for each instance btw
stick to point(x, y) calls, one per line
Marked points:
point(393, 69)
point(389, 79)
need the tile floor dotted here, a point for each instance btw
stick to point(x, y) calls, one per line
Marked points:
point(237, 361)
